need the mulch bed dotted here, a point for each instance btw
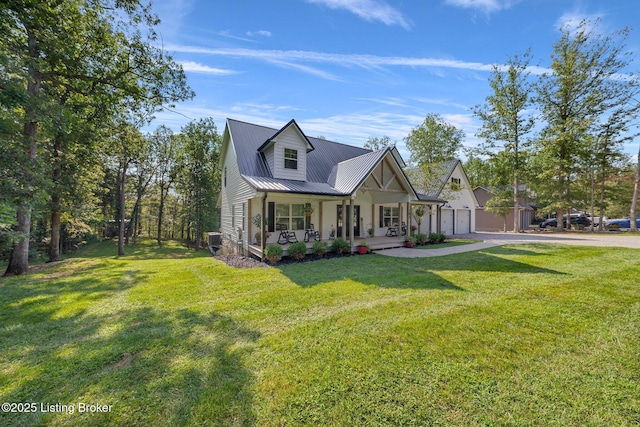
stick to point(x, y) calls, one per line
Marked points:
point(240, 261)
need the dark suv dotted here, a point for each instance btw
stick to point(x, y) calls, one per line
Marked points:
point(575, 220)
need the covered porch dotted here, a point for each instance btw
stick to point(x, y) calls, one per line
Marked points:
point(374, 243)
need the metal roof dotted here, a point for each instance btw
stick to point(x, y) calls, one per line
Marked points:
point(439, 176)
point(342, 176)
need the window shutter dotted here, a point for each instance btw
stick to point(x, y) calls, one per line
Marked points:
point(381, 216)
point(272, 217)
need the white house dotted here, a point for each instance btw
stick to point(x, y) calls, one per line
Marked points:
point(284, 182)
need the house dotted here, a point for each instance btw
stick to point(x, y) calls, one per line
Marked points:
point(448, 181)
point(489, 221)
point(282, 181)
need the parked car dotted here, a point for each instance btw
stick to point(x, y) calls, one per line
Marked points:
point(620, 223)
point(575, 220)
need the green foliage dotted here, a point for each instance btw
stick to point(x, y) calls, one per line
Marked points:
point(434, 141)
point(297, 250)
point(319, 248)
point(437, 237)
point(273, 253)
point(376, 144)
point(340, 246)
point(421, 238)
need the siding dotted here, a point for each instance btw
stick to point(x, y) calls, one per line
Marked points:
point(236, 192)
point(290, 138)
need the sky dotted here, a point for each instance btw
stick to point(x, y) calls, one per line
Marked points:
point(348, 70)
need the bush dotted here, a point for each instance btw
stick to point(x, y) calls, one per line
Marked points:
point(319, 248)
point(437, 237)
point(273, 253)
point(297, 250)
point(421, 238)
point(340, 246)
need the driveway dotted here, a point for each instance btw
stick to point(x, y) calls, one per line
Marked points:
point(497, 239)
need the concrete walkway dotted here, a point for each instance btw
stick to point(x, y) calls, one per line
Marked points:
point(490, 240)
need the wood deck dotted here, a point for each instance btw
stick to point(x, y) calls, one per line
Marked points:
point(374, 243)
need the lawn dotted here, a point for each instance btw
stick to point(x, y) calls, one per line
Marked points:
point(449, 243)
point(534, 335)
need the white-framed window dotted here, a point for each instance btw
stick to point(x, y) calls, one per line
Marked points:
point(290, 215)
point(225, 176)
point(390, 216)
point(290, 158)
point(455, 181)
point(244, 215)
point(233, 216)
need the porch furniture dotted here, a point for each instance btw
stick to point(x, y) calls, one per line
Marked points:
point(285, 236)
point(311, 233)
point(404, 228)
point(392, 231)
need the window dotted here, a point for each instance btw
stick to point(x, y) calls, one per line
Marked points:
point(455, 181)
point(290, 158)
point(290, 215)
point(244, 216)
point(225, 176)
point(389, 216)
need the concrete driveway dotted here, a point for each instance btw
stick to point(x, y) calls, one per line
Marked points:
point(489, 240)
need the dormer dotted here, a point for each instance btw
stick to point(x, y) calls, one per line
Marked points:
point(286, 153)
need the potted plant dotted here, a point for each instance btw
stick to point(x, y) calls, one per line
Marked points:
point(370, 232)
point(409, 241)
point(308, 209)
point(363, 248)
point(257, 221)
point(332, 235)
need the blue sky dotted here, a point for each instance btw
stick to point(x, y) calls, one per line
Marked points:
point(353, 69)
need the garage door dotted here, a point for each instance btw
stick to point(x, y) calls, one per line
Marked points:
point(463, 221)
point(446, 221)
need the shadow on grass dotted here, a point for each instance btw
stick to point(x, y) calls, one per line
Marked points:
point(407, 273)
point(77, 338)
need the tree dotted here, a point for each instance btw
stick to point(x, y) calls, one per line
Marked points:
point(634, 201)
point(79, 45)
point(200, 175)
point(167, 152)
point(434, 141)
point(505, 119)
point(500, 204)
point(585, 89)
point(377, 144)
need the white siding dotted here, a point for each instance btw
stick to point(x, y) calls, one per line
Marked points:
point(290, 138)
point(235, 192)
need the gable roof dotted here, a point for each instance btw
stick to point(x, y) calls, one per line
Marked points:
point(292, 123)
point(440, 174)
point(332, 168)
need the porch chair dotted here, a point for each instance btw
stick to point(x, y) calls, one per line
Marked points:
point(285, 236)
point(311, 233)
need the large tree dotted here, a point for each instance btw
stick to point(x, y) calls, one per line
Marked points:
point(79, 45)
point(505, 121)
point(434, 141)
point(585, 89)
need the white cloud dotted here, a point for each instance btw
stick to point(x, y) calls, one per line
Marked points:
point(369, 10)
point(263, 33)
point(292, 58)
point(487, 6)
point(194, 67)
point(571, 20)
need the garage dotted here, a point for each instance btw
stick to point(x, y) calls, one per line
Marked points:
point(446, 221)
point(463, 221)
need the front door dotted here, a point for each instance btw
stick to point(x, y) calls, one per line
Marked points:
point(351, 219)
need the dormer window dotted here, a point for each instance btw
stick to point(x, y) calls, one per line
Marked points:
point(290, 158)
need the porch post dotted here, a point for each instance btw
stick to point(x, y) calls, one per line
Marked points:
point(408, 218)
point(353, 226)
point(373, 220)
point(263, 226)
point(344, 216)
point(320, 219)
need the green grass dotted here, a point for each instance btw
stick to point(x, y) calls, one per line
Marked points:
point(450, 243)
point(534, 335)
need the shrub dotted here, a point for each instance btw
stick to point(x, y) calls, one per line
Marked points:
point(297, 250)
point(421, 238)
point(319, 248)
point(273, 253)
point(340, 246)
point(436, 237)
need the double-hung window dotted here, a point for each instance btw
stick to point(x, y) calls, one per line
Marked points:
point(290, 215)
point(290, 158)
point(390, 216)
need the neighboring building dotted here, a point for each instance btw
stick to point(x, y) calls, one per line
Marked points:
point(489, 221)
point(273, 177)
point(448, 181)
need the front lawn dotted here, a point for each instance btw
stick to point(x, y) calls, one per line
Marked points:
point(535, 335)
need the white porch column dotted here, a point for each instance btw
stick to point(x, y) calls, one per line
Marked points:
point(352, 226)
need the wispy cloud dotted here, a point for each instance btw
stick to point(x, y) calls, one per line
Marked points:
point(262, 33)
point(195, 67)
point(570, 21)
point(486, 6)
point(228, 34)
point(369, 10)
point(294, 57)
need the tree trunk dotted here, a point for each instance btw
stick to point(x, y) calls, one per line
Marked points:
point(634, 200)
point(160, 212)
point(121, 229)
point(516, 205)
point(19, 259)
point(54, 245)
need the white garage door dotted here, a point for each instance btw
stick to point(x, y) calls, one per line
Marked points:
point(463, 221)
point(446, 222)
